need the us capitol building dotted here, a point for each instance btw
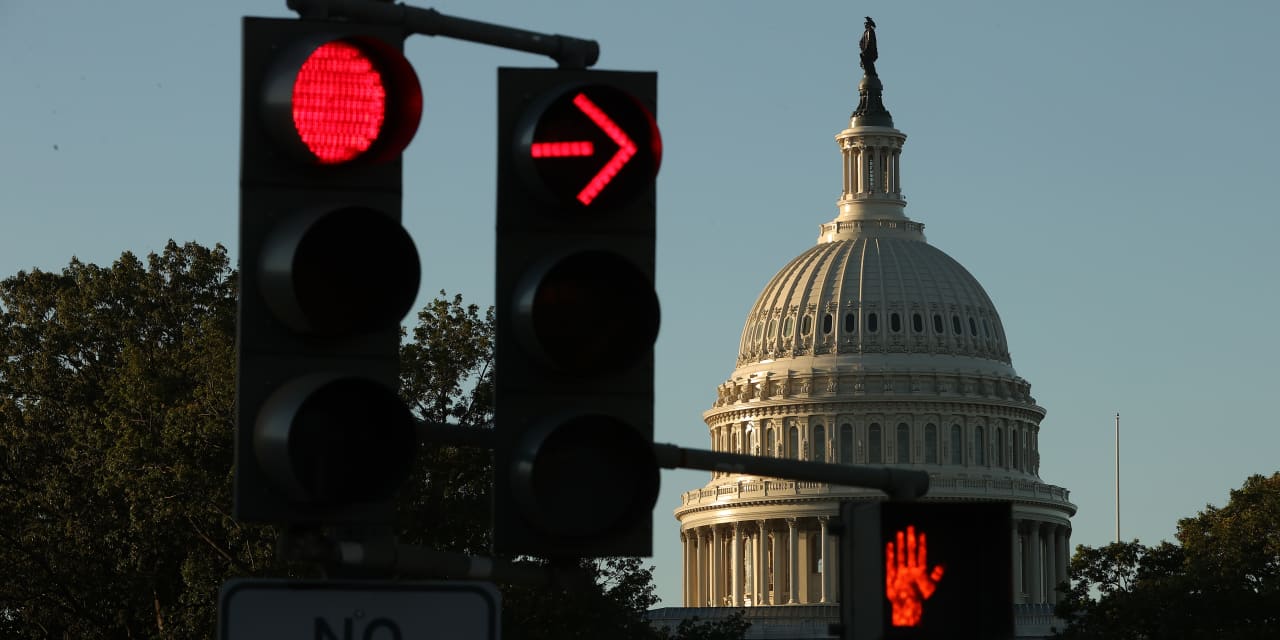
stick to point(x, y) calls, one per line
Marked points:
point(873, 347)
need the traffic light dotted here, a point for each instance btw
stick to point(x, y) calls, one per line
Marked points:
point(926, 570)
point(327, 272)
point(577, 314)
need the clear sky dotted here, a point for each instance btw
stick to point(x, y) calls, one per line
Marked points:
point(1107, 171)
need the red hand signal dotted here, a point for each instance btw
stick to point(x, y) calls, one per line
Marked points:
point(906, 584)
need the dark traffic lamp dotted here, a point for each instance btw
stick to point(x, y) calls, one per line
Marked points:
point(926, 570)
point(327, 272)
point(577, 314)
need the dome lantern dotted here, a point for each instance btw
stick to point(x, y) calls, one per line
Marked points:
point(870, 148)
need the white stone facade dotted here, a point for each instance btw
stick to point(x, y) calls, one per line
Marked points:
point(871, 348)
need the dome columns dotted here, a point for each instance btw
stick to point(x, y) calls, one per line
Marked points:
point(760, 562)
point(1041, 552)
point(871, 173)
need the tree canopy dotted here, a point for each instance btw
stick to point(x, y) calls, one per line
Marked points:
point(116, 423)
point(1221, 581)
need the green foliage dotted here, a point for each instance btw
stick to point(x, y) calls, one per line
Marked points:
point(1222, 581)
point(116, 423)
point(447, 377)
point(733, 627)
point(115, 457)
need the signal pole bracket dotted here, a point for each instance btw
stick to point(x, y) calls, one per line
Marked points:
point(567, 51)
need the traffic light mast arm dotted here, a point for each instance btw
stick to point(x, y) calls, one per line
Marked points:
point(385, 557)
point(900, 484)
point(568, 52)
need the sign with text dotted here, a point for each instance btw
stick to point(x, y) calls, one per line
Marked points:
point(262, 609)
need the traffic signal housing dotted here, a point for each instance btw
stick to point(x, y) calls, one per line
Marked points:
point(577, 314)
point(926, 570)
point(327, 273)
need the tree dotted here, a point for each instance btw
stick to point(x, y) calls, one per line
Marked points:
point(1221, 581)
point(116, 415)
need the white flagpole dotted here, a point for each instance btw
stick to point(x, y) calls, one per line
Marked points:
point(1117, 477)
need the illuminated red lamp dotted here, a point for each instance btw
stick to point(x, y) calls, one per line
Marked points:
point(589, 147)
point(335, 101)
point(908, 580)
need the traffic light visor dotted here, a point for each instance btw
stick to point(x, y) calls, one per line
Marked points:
point(339, 271)
point(605, 462)
point(325, 438)
point(589, 311)
point(334, 101)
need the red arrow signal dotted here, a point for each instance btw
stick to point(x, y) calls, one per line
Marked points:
point(585, 148)
point(591, 147)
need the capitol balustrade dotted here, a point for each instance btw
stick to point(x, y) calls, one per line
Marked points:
point(982, 487)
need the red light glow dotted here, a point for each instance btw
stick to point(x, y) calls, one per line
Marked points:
point(576, 149)
point(626, 148)
point(907, 583)
point(339, 102)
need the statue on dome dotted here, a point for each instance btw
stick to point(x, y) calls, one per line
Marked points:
point(868, 46)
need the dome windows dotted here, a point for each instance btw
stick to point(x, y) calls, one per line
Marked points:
point(788, 327)
point(917, 323)
point(895, 322)
point(973, 327)
point(979, 447)
point(850, 322)
point(955, 324)
point(846, 443)
point(957, 445)
point(937, 323)
point(806, 325)
point(874, 449)
point(873, 323)
point(931, 443)
point(826, 323)
point(773, 328)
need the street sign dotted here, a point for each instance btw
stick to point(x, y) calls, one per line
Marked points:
point(263, 609)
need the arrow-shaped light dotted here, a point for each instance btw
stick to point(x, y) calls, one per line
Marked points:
point(584, 148)
point(626, 148)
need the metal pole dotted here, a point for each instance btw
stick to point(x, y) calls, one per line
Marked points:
point(1117, 477)
point(900, 484)
point(568, 52)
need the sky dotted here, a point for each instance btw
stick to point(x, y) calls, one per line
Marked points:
point(1106, 170)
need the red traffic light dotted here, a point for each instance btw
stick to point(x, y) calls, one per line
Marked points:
point(589, 147)
point(335, 101)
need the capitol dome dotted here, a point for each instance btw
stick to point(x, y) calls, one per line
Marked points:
point(874, 348)
point(882, 290)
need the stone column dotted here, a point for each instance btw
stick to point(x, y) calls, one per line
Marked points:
point(685, 541)
point(793, 560)
point(1035, 579)
point(825, 544)
point(1051, 563)
point(762, 565)
point(779, 565)
point(735, 556)
point(897, 180)
point(1064, 553)
point(862, 170)
point(1018, 584)
point(717, 548)
point(699, 569)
